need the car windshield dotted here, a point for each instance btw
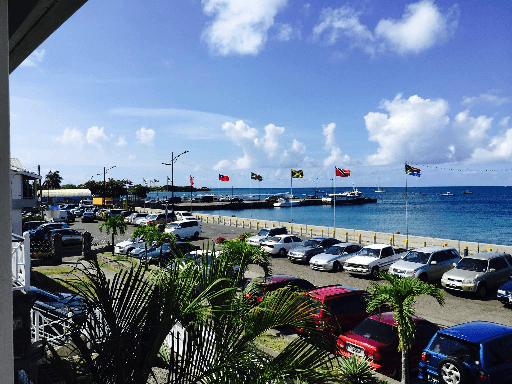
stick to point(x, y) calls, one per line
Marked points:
point(417, 257)
point(335, 250)
point(369, 252)
point(312, 243)
point(452, 346)
point(172, 226)
point(152, 217)
point(498, 351)
point(263, 232)
point(376, 330)
point(469, 264)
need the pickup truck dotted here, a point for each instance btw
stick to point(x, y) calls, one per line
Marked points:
point(372, 259)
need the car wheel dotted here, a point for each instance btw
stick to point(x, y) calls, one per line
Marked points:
point(451, 371)
point(375, 272)
point(282, 252)
point(423, 277)
point(336, 266)
point(481, 291)
point(196, 235)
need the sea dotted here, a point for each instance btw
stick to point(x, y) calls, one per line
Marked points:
point(485, 215)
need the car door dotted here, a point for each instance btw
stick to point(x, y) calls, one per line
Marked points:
point(501, 273)
point(437, 265)
point(287, 243)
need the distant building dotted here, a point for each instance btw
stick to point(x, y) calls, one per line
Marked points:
point(58, 196)
point(23, 193)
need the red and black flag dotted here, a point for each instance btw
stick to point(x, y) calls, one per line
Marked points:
point(342, 172)
point(223, 177)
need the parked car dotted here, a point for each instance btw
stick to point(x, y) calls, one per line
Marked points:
point(169, 251)
point(61, 303)
point(426, 264)
point(236, 200)
point(41, 231)
point(88, 217)
point(257, 288)
point(310, 248)
point(340, 308)
point(137, 216)
point(137, 250)
point(124, 247)
point(154, 218)
point(32, 225)
point(140, 219)
point(265, 233)
point(504, 294)
point(372, 259)
point(474, 352)
point(478, 273)
point(376, 339)
point(184, 228)
point(69, 236)
point(184, 215)
point(334, 257)
point(280, 244)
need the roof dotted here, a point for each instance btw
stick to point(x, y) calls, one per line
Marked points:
point(277, 278)
point(476, 331)
point(486, 255)
point(377, 246)
point(387, 317)
point(18, 168)
point(332, 290)
point(65, 193)
point(432, 248)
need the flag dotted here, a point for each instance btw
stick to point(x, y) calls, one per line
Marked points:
point(145, 182)
point(342, 172)
point(256, 177)
point(168, 179)
point(129, 182)
point(412, 171)
point(156, 181)
point(297, 174)
point(223, 177)
point(191, 181)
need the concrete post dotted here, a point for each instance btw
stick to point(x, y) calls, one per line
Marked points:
point(359, 238)
point(87, 246)
point(346, 237)
point(465, 251)
point(57, 248)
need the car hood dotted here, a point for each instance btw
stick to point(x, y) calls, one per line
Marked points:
point(328, 258)
point(361, 260)
point(407, 265)
point(461, 274)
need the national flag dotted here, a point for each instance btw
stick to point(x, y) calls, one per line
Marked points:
point(168, 179)
point(129, 182)
point(297, 174)
point(145, 182)
point(191, 181)
point(156, 181)
point(412, 171)
point(256, 177)
point(342, 172)
point(223, 177)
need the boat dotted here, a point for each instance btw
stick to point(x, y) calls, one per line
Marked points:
point(466, 192)
point(288, 201)
point(447, 194)
point(353, 197)
point(378, 190)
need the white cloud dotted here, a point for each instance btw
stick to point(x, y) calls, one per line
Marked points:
point(331, 147)
point(412, 129)
point(121, 142)
point(239, 27)
point(239, 131)
point(34, 58)
point(71, 136)
point(499, 149)
point(270, 142)
point(485, 98)
point(421, 27)
point(96, 136)
point(145, 136)
point(285, 32)
point(504, 122)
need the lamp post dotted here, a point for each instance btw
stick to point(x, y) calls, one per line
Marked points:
point(104, 181)
point(171, 163)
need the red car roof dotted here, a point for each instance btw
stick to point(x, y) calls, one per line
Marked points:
point(331, 290)
point(387, 317)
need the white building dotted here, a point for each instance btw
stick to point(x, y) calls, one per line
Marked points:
point(23, 193)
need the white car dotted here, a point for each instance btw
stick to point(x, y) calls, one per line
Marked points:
point(280, 244)
point(124, 247)
point(372, 259)
point(265, 233)
point(184, 228)
point(139, 219)
point(334, 257)
point(184, 215)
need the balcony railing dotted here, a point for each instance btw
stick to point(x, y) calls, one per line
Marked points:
point(20, 262)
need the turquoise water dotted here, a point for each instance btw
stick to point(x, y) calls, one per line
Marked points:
point(484, 216)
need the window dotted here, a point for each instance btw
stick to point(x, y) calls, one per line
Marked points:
point(509, 259)
point(348, 304)
point(451, 346)
point(298, 240)
point(376, 330)
point(498, 351)
point(498, 263)
point(287, 240)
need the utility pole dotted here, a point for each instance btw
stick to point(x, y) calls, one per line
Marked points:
point(171, 163)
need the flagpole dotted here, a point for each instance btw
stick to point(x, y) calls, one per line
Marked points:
point(334, 197)
point(291, 192)
point(406, 215)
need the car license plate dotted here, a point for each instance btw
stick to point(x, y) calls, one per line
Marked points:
point(355, 349)
point(432, 379)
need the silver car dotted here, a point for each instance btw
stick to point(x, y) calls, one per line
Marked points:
point(334, 257)
point(426, 264)
point(477, 273)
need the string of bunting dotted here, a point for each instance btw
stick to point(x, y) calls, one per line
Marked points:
point(462, 170)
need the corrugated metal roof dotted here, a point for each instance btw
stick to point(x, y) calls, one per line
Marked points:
point(65, 193)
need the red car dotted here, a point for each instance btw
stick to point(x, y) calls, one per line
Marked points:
point(258, 287)
point(340, 308)
point(376, 338)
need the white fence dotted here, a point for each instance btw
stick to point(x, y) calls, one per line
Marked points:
point(50, 326)
point(20, 263)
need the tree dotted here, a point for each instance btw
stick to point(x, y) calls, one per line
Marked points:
point(114, 224)
point(52, 180)
point(151, 235)
point(400, 294)
point(69, 186)
point(139, 190)
point(96, 187)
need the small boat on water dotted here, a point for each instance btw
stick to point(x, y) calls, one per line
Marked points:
point(353, 197)
point(447, 194)
point(466, 192)
point(379, 190)
point(288, 201)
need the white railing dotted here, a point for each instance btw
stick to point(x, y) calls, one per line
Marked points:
point(50, 326)
point(20, 263)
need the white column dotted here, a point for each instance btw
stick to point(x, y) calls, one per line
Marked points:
point(6, 348)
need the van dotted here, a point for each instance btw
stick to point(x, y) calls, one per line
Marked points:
point(184, 228)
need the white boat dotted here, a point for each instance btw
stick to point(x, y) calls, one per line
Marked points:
point(447, 194)
point(352, 197)
point(288, 201)
point(378, 190)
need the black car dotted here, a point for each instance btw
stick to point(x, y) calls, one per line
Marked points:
point(88, 217)
point(41, 231)
point(310, 248)
point(236, 200)
point(69, 236)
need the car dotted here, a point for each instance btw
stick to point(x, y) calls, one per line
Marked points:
point(184, 228)
point(372, 259)
point(236, 200)
point(473, 352)
point(140, 219)
point(280, 244)
point(137, 216)
point(504, 294)
point(478, 273)
point(88, 217)
point(168, 251)
point(340, 308)
point(32, 225)
point(184, 215)
point(310, 248)
point(60, 303)
point(265, 233)
point(124, 247)
point(376, 339)
point(333, 258)
point(258, 287)
point(426, 263)
point(154, 218)
point(41, 231)
point(137, 249)
point(69, 236)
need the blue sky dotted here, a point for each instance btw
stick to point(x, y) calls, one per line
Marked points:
point(268, 86)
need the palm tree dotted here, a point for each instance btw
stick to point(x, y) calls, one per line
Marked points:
point(400, 294)
point(173, 318)
point(151, 235)
point(52, 180)
point(114, 224)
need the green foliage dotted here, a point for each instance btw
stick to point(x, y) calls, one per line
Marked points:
point(352, 370)
point(69, 186)
point(243, 254)
point(113, 225)
point(52, 180)
point(139, 190)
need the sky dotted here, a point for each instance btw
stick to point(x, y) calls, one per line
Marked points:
point(268, 86)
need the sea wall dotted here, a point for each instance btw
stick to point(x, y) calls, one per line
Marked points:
point(355, 236)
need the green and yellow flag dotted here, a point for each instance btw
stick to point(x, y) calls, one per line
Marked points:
point(297, 174)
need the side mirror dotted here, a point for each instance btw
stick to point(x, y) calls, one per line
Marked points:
point(433, 262)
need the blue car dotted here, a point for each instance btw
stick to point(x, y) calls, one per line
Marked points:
point(474, 352)
point(505, 293)
point(60, 302)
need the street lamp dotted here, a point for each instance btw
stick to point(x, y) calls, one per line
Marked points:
point(105, 182)
point(171, 163)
